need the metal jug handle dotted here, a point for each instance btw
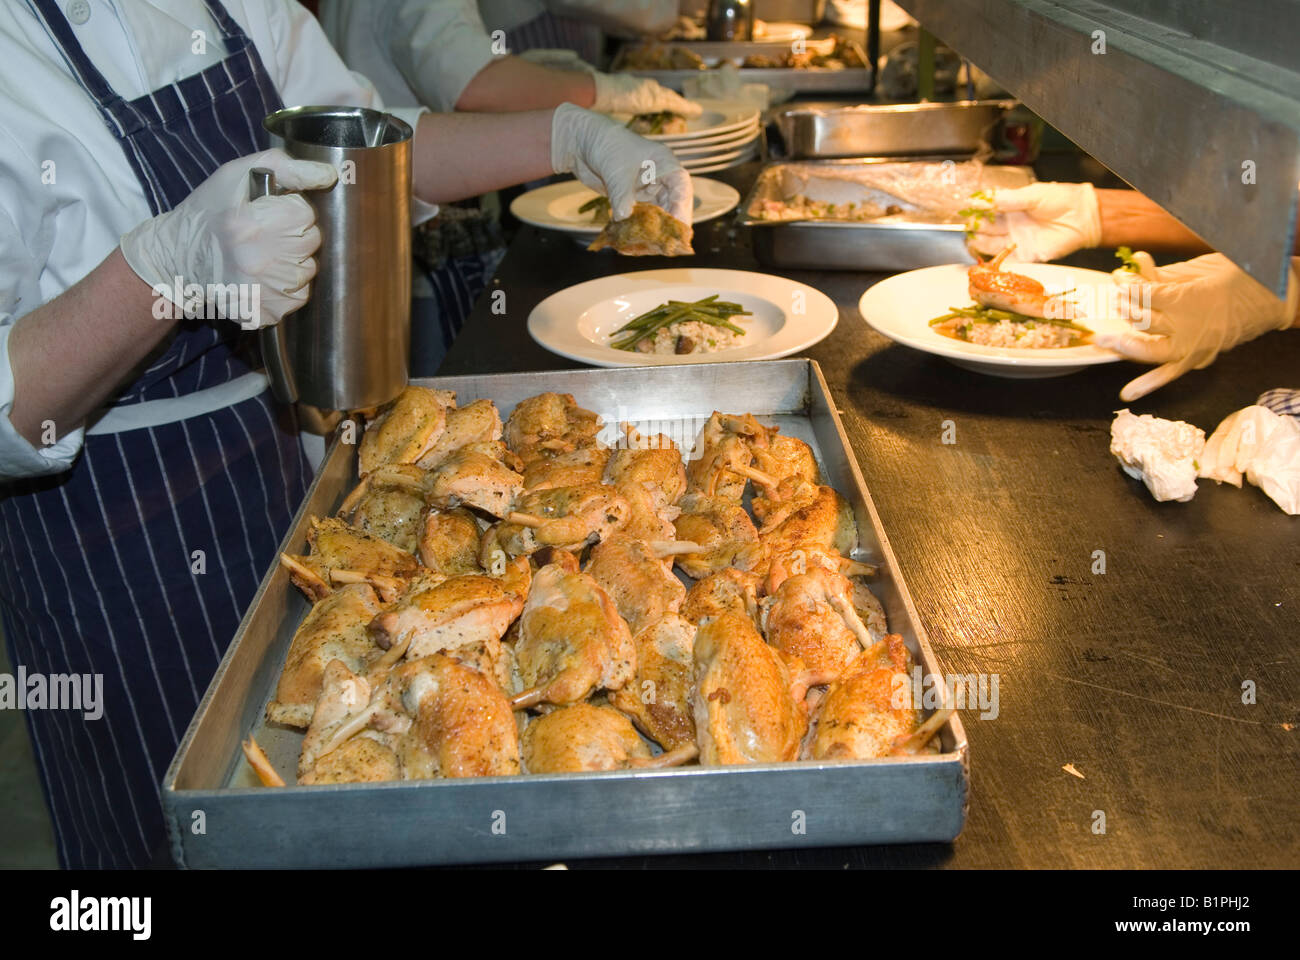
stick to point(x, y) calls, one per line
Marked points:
point(261, 183)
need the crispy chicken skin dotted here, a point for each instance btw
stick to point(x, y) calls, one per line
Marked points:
point(462, 721)
point(744, 709)
point(581, 737)
point(471, 478)
point(869, 710)
point(571, 517)
point(474, 423)
point(782, 458)
point(549, 423)
point(641, 584)
point(723, 528)
point(340, 553)
point(653, 459)
point(449, 542)
point(726, 591)
point(658, 699)
point(437, 616)
point(334, 629)
point(572, 641)
point(651, 231)
point(583, 466)
point(803, 619)
point(726, 442)
point(809, 516)
point(406, 430)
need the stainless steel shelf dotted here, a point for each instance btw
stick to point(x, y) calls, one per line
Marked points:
point(1194, 102)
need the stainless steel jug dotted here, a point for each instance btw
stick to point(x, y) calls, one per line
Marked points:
point(348, 348)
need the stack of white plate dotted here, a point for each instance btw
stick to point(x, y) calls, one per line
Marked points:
point(725, 134)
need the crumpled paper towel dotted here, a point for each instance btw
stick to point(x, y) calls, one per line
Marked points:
point(1163, 454)
point(1263, 446)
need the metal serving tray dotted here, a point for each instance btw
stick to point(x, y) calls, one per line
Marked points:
point(783, 79)
point(829, 130)
point(218, 817)
point(888, 245)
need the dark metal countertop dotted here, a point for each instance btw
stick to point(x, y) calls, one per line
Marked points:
point(1135, 676)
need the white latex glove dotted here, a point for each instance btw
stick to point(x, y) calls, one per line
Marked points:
point(1263, 446)
point(1199, 308)
point(217, 235)
point(613, 160)
point(1045, 221)
point(624, 93)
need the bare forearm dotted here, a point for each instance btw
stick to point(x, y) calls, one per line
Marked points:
point(463, 155)
point(511, 84)
point(69, 355)
point(1129, 218)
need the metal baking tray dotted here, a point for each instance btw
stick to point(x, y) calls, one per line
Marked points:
point(830, 130)
point(218, 817)
point(888, 245)
point(782, 80)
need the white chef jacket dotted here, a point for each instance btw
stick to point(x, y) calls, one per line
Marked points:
point(67, 191)
point(413, 51)
point(427, 51)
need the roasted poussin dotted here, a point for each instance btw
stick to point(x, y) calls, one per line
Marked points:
point(390, 512)
point(336, 628)
point(549, 423)
point(572, 641)
point(448, 542)
point(745, 710)
point(405, 430)
point(462, 727)
point(345, 696)
point(726, 591)
point(648, 459)
point(565, 517)
point(586, 465)
point(723, 530)
point(581, 737)
point(650, 515)
point(340, 554)
point(781, 459)
point(436, 615)
point(639, 582)
point(808, 516)
point(723, 456)
point(869, 711)
point(475, 423)
point(468, 477)
point(659, 697)
point(811, 617)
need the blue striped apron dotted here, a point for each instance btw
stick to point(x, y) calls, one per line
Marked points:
point(138, 563)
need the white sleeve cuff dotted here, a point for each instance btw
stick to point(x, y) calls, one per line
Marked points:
point(18, 458)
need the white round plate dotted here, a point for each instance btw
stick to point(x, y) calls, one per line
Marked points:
point(744, 138)
point(741, 135)
point(716, 116)
point(555, 206)
point(715, 165)
point(577, 322)
point(902, 307)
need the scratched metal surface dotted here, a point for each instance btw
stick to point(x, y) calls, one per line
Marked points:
point(1133, 676)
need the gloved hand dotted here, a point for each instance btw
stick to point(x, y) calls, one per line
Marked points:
point(1045, 221)
point(613, 160)
point(624, 93)
point(217, 235)
point(1199, 308)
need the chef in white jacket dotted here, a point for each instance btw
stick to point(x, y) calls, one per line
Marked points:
point(146, 476)
point(442, 53)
